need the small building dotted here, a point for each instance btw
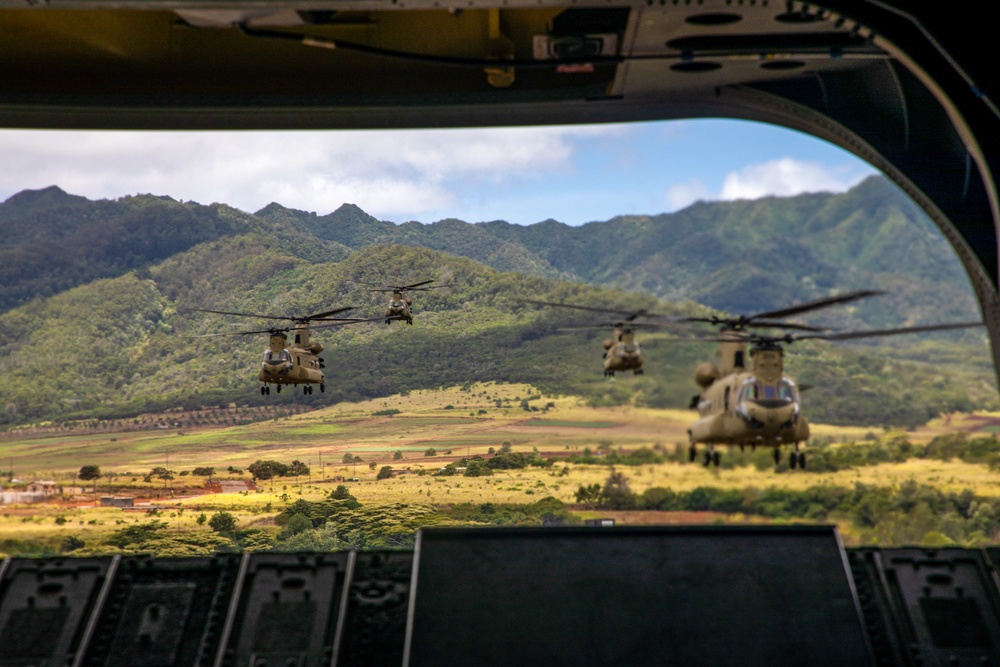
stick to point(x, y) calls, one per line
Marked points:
point(15, 497)
point(599, 522)
point(112, 501)
point(43, 486)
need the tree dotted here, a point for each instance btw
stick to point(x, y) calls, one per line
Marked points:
point(617, 494)
point(348, 458)
point(371, 466)
point(397, 455)
point(588, 495)
point(298, 523)
point(384, 473)
point(264, 470)
point(223, 523)
point(203, 472)
point(298, 468)
point(89, 472)
point(201, 519)
point(159, 472)
point(430, 451)
point(478, 468)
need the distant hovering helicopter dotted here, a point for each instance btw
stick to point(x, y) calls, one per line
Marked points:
point(760, 405)
point(298, 363)
point(621, 351)
point(400, 306)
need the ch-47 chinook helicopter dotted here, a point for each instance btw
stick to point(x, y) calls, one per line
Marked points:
point(621, 351)
point(400, 306)
point(296, 363)
point(759, 405)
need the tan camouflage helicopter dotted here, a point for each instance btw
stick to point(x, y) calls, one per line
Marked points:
point(759, 405)
point(621, 351)
point(295, 364)
point(400, 306)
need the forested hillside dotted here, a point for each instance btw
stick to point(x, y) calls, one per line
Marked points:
point(96, 314)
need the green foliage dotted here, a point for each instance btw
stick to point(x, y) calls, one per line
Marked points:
point(297, 468)
point(72, 543)
point(617, 494)
point(397, 455)
point(267, 469)
point(548, 511)
point(206, 471)
point(342, 493)
point(588, 495)
point(478, 468)
point(385, 472)
point(341, 526)
point(385, 413)
point(89, 472)
point(223, 523)
point(137, 535)
point(296, 524)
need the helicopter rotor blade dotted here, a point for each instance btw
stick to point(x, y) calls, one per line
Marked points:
point(343, 322)
point(320, 316)
point(785, 325)
point(852, 335)
point(426, 282)
point(229, 312)
point(813, 305)
point(238, 333)
point(627, 313)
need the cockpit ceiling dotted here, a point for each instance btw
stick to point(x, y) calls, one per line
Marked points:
point(399, 56)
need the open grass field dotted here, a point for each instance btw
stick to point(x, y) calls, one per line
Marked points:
point(455, 423)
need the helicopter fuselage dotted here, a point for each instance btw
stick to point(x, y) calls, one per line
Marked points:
point(622, 353)
point(746, 409)
point(294, 364)
point(400, 308)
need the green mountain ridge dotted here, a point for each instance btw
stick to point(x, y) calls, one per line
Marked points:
point(98, 321)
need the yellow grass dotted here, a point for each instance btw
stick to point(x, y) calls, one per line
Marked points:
point(423, 422)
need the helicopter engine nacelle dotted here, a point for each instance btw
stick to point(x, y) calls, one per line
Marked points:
point(315, 347)
point(706, 374)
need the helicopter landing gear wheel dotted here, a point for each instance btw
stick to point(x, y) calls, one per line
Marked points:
point(263, 390)
point(279, 388)
point(708, 459)
point(777, 456)
point(715, 459)
point(410, 322)
point(322, 388)
point(802, 460)
point(793, 460)
point(692, 454)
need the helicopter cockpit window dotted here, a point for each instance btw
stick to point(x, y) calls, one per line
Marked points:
point(272, 357)
point(770, 396)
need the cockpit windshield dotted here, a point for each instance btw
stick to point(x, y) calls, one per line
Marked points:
point(770, 395)
point(272, 357)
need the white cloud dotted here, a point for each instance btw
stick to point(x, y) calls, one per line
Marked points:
point(687, 193)
point(386, 173)
point(786, 177)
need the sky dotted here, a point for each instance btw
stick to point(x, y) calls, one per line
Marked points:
point(573, 174)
